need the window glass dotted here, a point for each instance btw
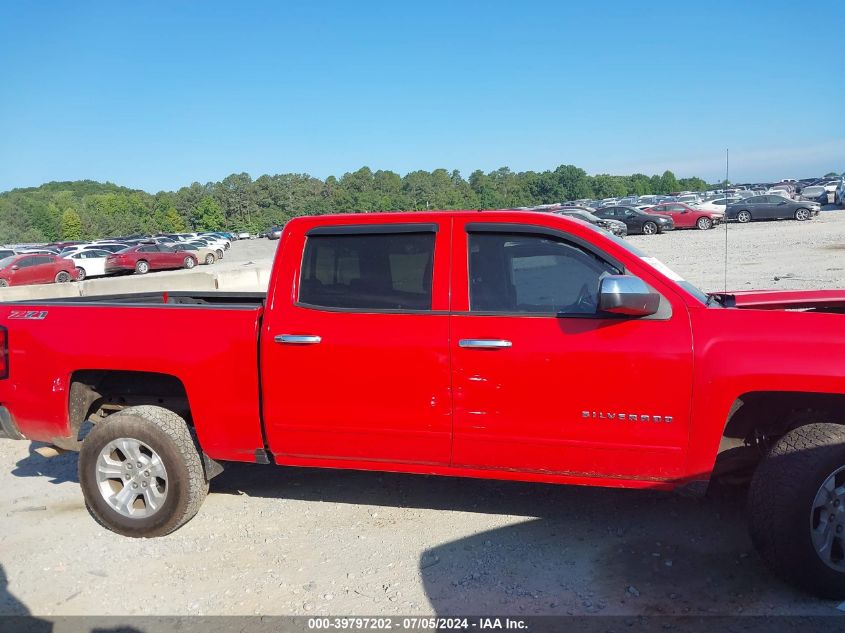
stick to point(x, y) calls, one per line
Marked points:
point(376, 271)
point(148, 249)
point(533, 274)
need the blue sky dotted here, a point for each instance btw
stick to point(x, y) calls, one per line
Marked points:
point(158, 95)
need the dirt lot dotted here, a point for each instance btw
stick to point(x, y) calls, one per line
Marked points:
point(285, 541)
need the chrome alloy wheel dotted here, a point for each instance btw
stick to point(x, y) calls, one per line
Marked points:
point(827, 521)
point(132, 478)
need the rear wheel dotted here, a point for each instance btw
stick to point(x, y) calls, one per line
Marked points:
point(63, 277)
point(797, 509)
point(743, 216)
point(649, 228)
point(210, 259)
point(81, 274)
point(802, 214)
point(189, 262)
point(142, 267)
point(141, 473)
point(704, 223)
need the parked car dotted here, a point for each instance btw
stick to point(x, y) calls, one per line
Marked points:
point(89, 262)
point(771, 207)
point(815, 193)
point(244, 235)
point(688, 217)
point(611, 226)
point(274, 233)
point(638, 222)
point(7, 252)
point(204, 254)
point(717, 205)
point(839, 194)
point(199, 243)
point(688, 198)
point(29, 268)
point(146, 257)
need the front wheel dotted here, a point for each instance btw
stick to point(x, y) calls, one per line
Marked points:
point(649, 228)
point(4, 283)
point(219, 254)
point(704, 223)
point(63, 277)
point(802, 214)
point(141, 473)
point(210, 259)
point(743, 217)
point(189, 262)
point(80, 274)
point(797, 509)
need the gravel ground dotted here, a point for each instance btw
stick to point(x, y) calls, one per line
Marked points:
point(299, 541)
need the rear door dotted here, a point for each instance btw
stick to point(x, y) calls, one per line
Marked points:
point(542, 382)
point(354, 351)
point(152, 255)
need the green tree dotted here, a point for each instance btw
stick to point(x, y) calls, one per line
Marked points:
point(668, 182)
point(209, 215)
point(71, 225)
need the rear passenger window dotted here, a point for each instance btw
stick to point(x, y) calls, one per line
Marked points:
point(368, 272)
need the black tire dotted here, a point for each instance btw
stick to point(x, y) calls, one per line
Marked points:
point(219, 254)
point(63, 277)
point(781, 510)
point(210, 259)
point(649, 228)
point(743, 216)
point(81, 274)
point(4, 283)
point(704, 223)
point(189, 262)
point(142, 267)
point(168, 436)
point(802, 214)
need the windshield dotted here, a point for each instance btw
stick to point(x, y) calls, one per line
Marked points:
point(6, 261)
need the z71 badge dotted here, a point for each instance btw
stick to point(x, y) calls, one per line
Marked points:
point(34, 315)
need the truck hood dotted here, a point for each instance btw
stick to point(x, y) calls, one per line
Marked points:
point(817, 300)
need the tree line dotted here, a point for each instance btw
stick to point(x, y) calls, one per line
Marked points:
point(88, 209)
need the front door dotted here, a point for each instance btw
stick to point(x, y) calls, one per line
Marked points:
point(542, 382)
point(355, 355)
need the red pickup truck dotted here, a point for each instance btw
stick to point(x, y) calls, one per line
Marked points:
point(499, 344)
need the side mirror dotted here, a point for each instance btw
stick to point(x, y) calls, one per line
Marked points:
point(624, 294)
point(16, 267)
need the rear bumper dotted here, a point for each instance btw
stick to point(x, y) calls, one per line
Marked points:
point(8, 429)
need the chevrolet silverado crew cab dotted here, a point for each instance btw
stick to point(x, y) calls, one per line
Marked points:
point(448, 343)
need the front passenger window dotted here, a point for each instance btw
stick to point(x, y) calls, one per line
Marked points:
point(533, 274)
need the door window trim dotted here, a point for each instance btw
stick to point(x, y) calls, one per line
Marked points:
point(543, 231)
point(368, 229)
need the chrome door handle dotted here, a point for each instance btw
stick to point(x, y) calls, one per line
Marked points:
point(484, 343)
point(297, 339)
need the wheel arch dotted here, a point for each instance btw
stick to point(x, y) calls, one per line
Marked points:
point(97, 393)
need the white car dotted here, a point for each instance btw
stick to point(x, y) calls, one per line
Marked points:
point(717, 205)
point(216, 240)
point(779, 192)
point(89, 263)
point(689, 198)
point(244, 236)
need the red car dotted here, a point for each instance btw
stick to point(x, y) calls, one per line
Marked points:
point(687, 217)
point(448, 343)
point(19, 270)
point(146, 257)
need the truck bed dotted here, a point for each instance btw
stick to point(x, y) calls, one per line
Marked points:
point(207, 341)
point(229, 300)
